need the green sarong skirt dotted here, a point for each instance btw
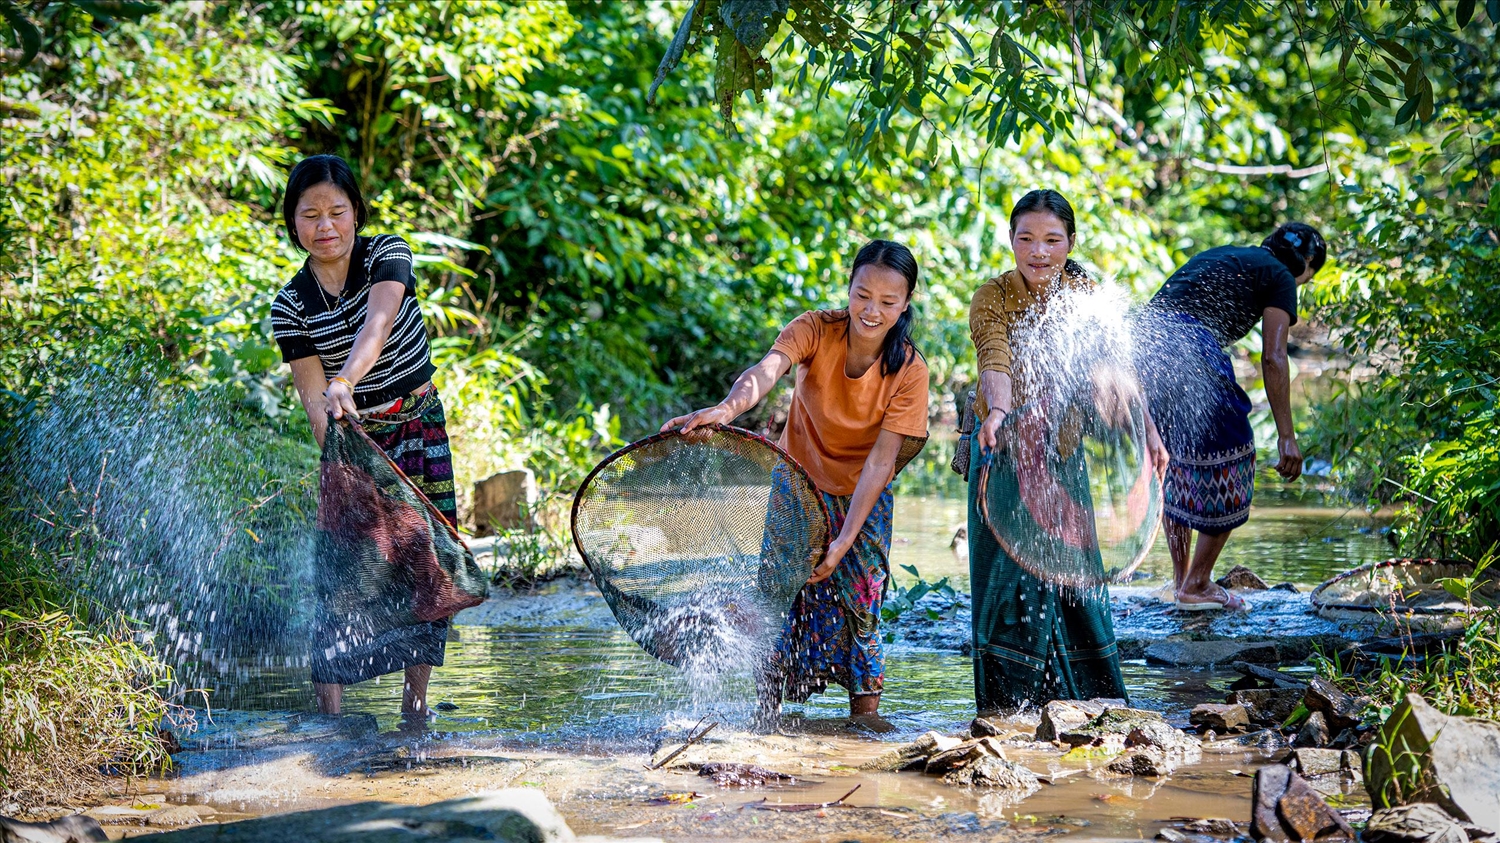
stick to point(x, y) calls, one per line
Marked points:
point(1033, 641)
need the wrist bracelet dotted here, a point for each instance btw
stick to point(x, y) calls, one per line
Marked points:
point(343, 380)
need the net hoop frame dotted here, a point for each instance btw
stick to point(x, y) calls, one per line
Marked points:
point(677, 433)
point(1121, 576)
point(1315, 598)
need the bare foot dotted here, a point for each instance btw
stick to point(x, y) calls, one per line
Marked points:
point(1215, 594)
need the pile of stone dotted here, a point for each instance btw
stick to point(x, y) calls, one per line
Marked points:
point(1136, 742)
point(1266, 699)
point(968, 761)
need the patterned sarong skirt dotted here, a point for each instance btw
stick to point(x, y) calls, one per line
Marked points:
point(833, 631)
point(1204, 419)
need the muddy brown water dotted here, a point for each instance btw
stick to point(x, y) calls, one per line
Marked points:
point(542, 689)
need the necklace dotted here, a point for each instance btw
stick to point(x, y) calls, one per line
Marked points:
point(328, 303)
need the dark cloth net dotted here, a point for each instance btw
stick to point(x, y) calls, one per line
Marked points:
point(388, 564)
point(695, 556)
point(1070, 496)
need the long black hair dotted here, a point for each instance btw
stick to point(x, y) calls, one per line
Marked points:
point(311, 172)
point(1049, 201)
point(897, 346)
point(1299, 246)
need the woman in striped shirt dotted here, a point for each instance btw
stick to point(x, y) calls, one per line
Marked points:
point(349, 326)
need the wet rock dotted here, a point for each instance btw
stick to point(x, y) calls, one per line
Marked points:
point(1214, 826)
point(1285, 809)
point(1286, 586)
point(1243, 578)
point(1458, 758)
point(1317, 762)
point(1314, 732)
point(1340, 710)
point(1000, 727)
point(1208, 653)
point(74, 829)
point(519, 815)
point(1128, 728)
point(1142, 761)
point(1422, 822)
point(993, 772)
point(1272, 678)
point(964, 754)
point(726, 774)
point(1266, 740)
point(1059, 716)
point(446, 706)
point(913, 756)
point(176, 816)
point(358, 726)
point(1222, 719)
point(1268, 706)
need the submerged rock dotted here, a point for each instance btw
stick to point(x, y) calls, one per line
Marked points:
point(74, 829)
point(1285, 809)
point(519, 815)
point(1458, 758)
point(1209, 653)
point(1144, 761)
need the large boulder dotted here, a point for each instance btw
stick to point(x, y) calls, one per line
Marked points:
point(1456, 759)
point(1059, 716)
point(519, 815)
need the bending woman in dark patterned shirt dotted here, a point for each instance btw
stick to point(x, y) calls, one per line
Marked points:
point(349, 326)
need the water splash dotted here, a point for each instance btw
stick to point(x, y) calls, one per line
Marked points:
point(168, 506)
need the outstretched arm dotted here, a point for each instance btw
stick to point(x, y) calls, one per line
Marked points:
point(748, 390)
point(1278, 377)
point(879, 468)
point(308, 378)
point(380, 317)
point(996, 387)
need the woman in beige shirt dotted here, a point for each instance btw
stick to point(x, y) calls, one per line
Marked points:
point(1034, 640)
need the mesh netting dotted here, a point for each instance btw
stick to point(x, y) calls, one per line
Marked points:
point(1073, 499)
point(1404, 587)
point(700, 542)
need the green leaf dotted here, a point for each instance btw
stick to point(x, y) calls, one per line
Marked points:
point(1396, 51)
point(753, 22)
point(26, 32)
point(1407, 110)
point(674, 51)
point(912, 137)
point(1465, 13)
point(1493, 8)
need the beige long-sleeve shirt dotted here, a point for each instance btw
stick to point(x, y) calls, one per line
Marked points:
point(997, 308)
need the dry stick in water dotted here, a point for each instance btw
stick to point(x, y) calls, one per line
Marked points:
point(763, 805)
point(690, 741)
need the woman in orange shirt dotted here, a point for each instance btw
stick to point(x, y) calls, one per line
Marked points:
point(858, 414)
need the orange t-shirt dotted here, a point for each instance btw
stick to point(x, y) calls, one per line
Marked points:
point(835, 419)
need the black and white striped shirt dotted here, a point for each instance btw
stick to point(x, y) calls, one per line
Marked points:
point(308, 322)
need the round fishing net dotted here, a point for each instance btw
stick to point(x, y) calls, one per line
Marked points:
point(1406, 587)
point(700, 542)
point(1072, 495)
